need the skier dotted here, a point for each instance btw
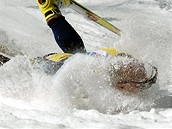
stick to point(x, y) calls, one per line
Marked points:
point(131, 77)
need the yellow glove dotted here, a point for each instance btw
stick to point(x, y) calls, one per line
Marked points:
point(48, 8)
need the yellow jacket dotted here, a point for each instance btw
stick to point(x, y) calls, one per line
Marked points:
point(56, 57)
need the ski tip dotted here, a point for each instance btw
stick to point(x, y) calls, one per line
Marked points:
point(117, 31)
point(3, 58)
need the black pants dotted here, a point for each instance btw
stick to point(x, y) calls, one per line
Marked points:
point(66, 37)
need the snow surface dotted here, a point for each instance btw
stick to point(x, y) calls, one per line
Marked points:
point(74, 98)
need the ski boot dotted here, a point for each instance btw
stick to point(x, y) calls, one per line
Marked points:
point(50, 8)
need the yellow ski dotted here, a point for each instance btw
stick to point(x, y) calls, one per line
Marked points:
point(92, 16)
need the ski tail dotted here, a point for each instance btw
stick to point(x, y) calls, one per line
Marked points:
point(92, 16)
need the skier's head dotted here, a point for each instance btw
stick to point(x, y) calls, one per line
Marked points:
point(130, 75)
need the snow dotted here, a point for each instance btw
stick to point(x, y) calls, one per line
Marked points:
point(75, 98)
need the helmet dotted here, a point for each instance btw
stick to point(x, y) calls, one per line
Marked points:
point(132, 75)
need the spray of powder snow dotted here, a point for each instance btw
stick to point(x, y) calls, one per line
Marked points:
point(82, 83)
